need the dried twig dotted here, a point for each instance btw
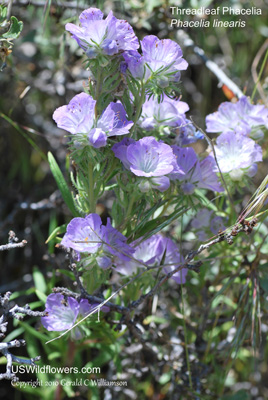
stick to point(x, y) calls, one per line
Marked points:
point(18, 313)
point(12, 242)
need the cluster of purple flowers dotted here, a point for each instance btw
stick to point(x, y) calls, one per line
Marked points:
point(98, 36)
point(160, 163)
point(78, 118)
point(89, 236)
point(239, 124)
point(64, 313)
point(153, 163)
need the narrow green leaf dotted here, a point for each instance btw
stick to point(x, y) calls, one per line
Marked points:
point(41, 296)
point(223, 299)
point(39, 280)
point(62, 185)
point(156, 225)
point(154, 318)
point(24, 134)
point(35, 333)
point(57, 231)
point(224, 287)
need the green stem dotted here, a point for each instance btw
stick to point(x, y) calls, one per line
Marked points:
point(91, 197)
point(129, 211)
point(260, 74)
point(130, 206)
point(186, 341)
point(98, 90)
point(138, 108)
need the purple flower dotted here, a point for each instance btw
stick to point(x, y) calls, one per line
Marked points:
point(188, 134)
point(236, 153)
point(149, 252)
point(168, 113)
point(241, 117)
point(78, 118)
point(136, 64)
point(62, 314)
point(154, 251)
point(202, 219)
point(193, 174)
point(173, 257)
point(204, 223)
point(113, 120)
point(116, 243)
point(120, 151)
point(148, 158)
point(98, 36)
point(163, 54)
point(160, 57)
point(88, 235)
point(209, 178)
point(84, 234)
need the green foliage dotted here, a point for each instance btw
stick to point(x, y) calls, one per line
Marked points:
point(14, 30)
point(223, 305)
point(62, 185)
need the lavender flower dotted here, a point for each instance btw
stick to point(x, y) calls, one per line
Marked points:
point(173, 257)
point(209, 178)
point(88, 235)
point(236, 154)
point(202, 219)
point(154, 251)
point(136, 64)
point(163, 58)
point(188, 134)
point(84, 234)
point(98, 36)
point(206, 223)
point(149, 252)
point(148, 158)
point(78, 118)
point(116, 243)
point(194, 174)
point(163, 55)
point(63, 314)
point(241, 117)
point(168, 113)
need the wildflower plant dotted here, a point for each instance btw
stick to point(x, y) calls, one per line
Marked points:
point(131, 141)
